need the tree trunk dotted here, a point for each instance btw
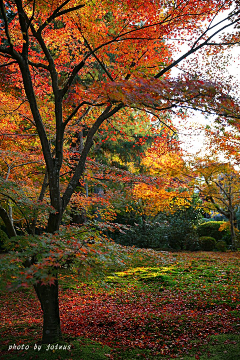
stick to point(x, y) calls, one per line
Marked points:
point(233, 234)
point(54, 222)
point(48, 296)
point(7, 222)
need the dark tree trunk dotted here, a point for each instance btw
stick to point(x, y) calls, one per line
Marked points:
point(8, 223)
point(48, 297)
point(54, 222)
point(232, 227)
point(79, 218)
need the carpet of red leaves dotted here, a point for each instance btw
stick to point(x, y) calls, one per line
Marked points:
point(165, 321)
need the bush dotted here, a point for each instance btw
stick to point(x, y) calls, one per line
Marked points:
point(166, 231)
point(192, 242)
point(221, 246)
point(207, 243)
point(211, 228)
point(145, 235)
point(3, 238)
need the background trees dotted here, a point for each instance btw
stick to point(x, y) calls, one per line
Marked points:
point(217, 172)
point(72, 66)
point(218, 185)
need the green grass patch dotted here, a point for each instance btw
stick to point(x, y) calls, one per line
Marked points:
point(220, 347)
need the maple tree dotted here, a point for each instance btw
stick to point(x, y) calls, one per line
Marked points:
point(71, 65)
point(169, 191)
point(223, 142)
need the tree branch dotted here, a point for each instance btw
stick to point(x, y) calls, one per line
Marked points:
point(100, 63)
point(10, 63)
point(193, 50)
point(38, 65)
point(81, 164)
point(58, 13)
point(75, 112)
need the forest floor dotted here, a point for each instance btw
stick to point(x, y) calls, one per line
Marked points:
point(158, 305)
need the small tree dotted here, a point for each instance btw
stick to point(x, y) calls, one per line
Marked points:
point(219, 187)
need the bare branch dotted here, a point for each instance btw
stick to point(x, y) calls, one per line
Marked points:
point(209, 27)
point(51, 67)
point(33, 13)
point(107, 113)
point(161, 121)
point(224, 44)
point(72, 76)
point(23, 21)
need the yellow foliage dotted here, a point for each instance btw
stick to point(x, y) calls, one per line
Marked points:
point(169, 163)
point(169, 191)
point(154, 200)
point(224, 226)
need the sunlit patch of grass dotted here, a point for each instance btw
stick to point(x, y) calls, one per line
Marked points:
point(158, 275)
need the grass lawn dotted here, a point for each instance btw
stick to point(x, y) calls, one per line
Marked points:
point(152, 305)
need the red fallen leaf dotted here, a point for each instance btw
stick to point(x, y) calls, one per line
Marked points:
point(24, 284)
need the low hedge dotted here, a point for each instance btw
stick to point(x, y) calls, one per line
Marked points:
point(211, 228)
point(207, 243)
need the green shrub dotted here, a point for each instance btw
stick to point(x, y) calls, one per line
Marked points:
point(221, 246)
point(147, 235)
point(192, 242)
point(3, 238)
point(211, 228)
point(207, 243)
point(176, 231)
